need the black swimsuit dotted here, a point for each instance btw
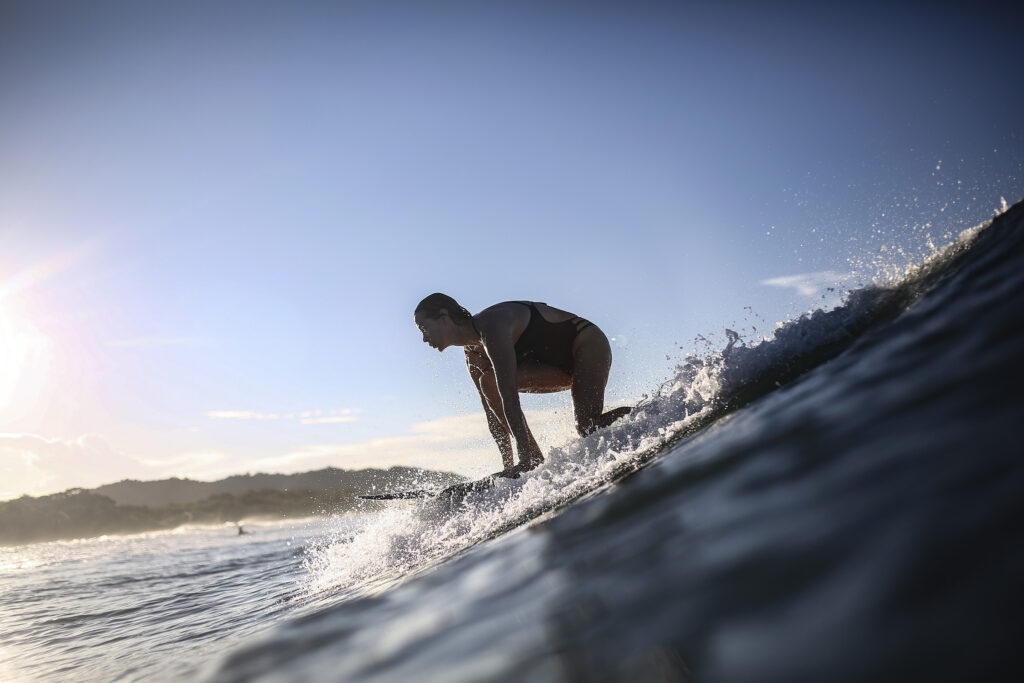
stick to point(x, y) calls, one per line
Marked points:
point(547, 342)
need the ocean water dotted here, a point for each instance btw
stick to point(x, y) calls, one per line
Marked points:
point(840, 502)
point(147, 606)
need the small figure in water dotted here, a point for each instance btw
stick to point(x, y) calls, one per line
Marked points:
point(528, 347)
point(241, 530)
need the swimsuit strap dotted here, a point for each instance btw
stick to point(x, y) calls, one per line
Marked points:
point(579, 323)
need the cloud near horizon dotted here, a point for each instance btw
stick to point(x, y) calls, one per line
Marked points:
point(306, 417)
point(460, 443)
point(34, 465)
point(240, 415)
point(186, 461)
point(808, 284)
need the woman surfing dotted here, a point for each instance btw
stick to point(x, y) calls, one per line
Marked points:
point(528, 347)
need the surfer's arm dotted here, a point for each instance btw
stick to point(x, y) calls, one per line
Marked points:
point(501, 435)
point(482, 374)
point(502, 356)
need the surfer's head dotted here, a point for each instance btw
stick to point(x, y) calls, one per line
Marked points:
point(441, 320)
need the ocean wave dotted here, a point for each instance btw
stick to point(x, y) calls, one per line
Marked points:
point(407, 538)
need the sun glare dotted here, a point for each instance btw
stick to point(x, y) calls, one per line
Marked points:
point(24, 353)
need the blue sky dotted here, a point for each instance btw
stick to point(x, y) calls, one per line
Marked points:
point(217, 218)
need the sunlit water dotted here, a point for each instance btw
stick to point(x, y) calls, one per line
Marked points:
point(157, 605)
point(842, 502)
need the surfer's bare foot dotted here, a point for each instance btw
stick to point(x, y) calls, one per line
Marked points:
point(514, 471)
point(527, 465)
point(509, 473)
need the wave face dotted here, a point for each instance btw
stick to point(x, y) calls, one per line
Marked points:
point(841, 502)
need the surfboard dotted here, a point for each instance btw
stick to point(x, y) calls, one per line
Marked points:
point(399, 495)
point(455, 491)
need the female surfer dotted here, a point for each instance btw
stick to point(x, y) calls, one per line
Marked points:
point(529, 347)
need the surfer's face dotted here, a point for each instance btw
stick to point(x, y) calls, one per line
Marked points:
point(434, 330)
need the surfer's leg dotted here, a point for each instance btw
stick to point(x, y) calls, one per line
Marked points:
point(592, 360)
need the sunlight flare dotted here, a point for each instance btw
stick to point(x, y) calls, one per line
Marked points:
point(24, 357)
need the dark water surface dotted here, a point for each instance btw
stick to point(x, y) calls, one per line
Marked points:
point(860, 522)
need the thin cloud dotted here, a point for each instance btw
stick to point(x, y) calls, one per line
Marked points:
point(307, 417)
point(240, 415)
point(808, 284)
point(184, 462)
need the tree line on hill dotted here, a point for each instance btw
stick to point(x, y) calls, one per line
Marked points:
point(111, 509)
point(169, 491)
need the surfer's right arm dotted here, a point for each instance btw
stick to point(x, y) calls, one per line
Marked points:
point(483, 378)
point(501, 435)
point(501, 354)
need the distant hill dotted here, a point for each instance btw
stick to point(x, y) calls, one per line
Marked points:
point(135, 506)
point(179, 491)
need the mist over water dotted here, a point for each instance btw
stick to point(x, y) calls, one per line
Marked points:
point(837, 502)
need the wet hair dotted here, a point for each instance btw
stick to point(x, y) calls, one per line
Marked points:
point(432, 305)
